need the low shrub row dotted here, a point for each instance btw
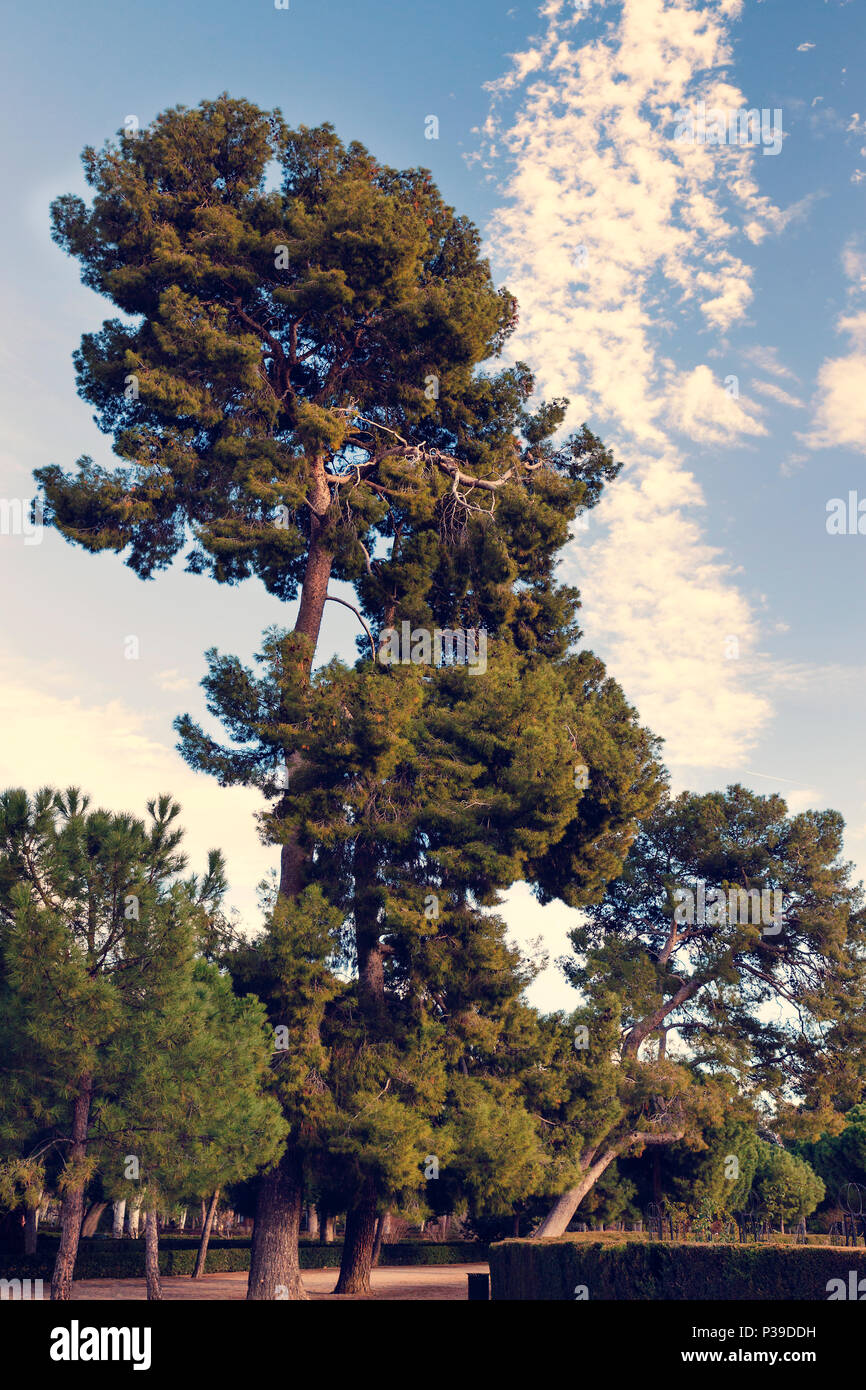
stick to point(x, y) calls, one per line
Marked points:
point(99, 1259)
point(569, 1269)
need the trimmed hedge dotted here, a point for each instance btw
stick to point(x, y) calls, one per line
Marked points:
point(553, 1270)
point(99, 1259)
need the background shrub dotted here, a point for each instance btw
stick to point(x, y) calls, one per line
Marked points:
point(618, 1269)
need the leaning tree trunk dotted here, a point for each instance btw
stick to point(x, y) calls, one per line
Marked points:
point(556, 1222)
point(151, 1256)
point(72, 1206)
point(275, 1271)
point(358, 1242)
point(205, 1236)
point(91, 1221)
point(561, 1213)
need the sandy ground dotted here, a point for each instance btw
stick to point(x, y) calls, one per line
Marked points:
point(415, 1282)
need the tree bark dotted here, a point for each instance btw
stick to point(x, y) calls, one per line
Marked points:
point(275, 1271)
point(91, 1221)
point(562, 1211)
point(72, 1206)
point(274, 1263)
point(314, 592)
point(133, 1219)
point(31, 1229)
point(205, 1236)
point(383, 1228)
point(312, 1222)
point(358, 1242)
point(117, 1214)
point(151, 1257)
point(328, 1229)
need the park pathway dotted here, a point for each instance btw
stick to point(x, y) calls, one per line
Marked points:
point(413, 1282)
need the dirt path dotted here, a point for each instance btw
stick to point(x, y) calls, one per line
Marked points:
point(416, 1282)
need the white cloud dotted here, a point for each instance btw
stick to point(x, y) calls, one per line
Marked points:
point(804, 799)
point(767, 358)
point(854, 265)
point(588, 130)
point(707, 412)
point(173, 680)
point(804, 47)
point(839, 418)
point(776, 393)
point(51, 738)
point(792, 465)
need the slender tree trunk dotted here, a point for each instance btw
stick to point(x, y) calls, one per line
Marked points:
point(72, 1206)
point(275, 1271)
point(314, 593)
point(181, 1221)
point(313, 1222)
point(328, 1228)
point(151, 1256)
point(205, 1236)
point(358, 1243)
point(383, 1228)
point(31, 1229)
point(91, 1221)
point(118, 1212)
point(133, 1219)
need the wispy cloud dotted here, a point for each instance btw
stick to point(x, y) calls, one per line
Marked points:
point(767, 358)
point(777, 393)
point(586, 127)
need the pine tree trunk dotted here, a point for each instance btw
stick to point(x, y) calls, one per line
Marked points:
point(72, 1206)
point(274, 1261)
point(360, 1235)
point(31, 1229)
point(91, 1221)
point(118, 1212)
point(151, 1256)
point(562, 1211)
point(275, 1271)
point(313, 1222)
point(181, 1222)
point(358, 1243)
point(205, 1236)
point(328, 1232)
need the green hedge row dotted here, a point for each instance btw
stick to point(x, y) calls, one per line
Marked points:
point(561, 1269)
point(99, 1259)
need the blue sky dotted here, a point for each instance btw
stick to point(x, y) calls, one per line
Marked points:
point(703, 306)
